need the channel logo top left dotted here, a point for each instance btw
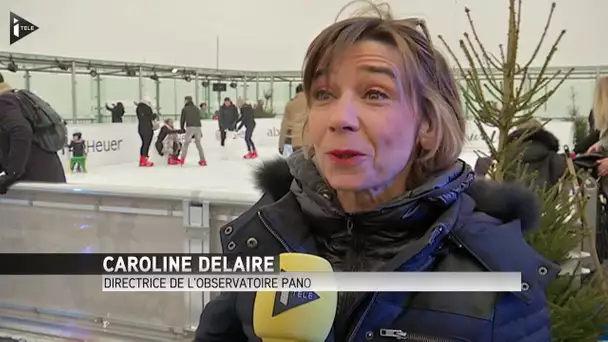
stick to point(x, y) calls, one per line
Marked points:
point(20, 28)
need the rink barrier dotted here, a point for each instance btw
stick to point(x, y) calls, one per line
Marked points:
point(47, 218)
point(70, 218)
point(119, 143)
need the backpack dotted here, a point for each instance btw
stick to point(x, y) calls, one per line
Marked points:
point(50, 133)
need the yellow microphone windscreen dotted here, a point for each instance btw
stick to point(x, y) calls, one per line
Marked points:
point(295, 316)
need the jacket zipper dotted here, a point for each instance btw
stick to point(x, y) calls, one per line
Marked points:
point(401, 335)
point(349, 226)
point(351, 338)
point(369, 306)
point(288, 249)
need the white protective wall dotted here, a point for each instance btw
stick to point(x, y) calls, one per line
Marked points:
point(271, 34)
point(110, 144)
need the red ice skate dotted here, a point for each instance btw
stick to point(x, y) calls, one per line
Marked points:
point(251, 155)
point(202, 163)
point(173, 160)
point(144, 162)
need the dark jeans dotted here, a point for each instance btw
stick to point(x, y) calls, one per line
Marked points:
point(248, 140)
point(222, 136)
point(146, 141)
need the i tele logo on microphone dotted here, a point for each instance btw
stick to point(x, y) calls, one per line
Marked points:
point(287, 300)
point(20, 28)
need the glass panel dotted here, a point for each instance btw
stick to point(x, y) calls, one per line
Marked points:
point(56, 89)
point(182, 89)
point(120, 89)
point(149, 90)
point(281, 94)
point(247, 90)
point(584, 90)
point(204, 94)
point(166, 94)
point(15, 79)
point(572, 93)
point(263, 89)
point(215, 99)
point(232, 93)
point(86, 97)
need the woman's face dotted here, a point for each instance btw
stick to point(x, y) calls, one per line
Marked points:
point(362, 128)
point(170, 123)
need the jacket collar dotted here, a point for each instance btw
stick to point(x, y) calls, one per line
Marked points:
point(489, 219)
point(515, 202)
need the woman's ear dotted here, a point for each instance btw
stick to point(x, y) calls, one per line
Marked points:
point(425, 135)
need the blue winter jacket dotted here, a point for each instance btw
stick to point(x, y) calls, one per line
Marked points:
point(451, 223)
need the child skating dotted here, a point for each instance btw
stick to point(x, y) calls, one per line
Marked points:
point(78, 148)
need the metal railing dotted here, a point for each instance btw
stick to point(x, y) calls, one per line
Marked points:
point(43, 218)
point(69, 218)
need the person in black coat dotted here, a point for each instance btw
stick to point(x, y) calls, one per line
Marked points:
point(118, 111)
point(145, 118)
point(539, 153)
point(227, 118)
point(20, 159)
point(247, 119)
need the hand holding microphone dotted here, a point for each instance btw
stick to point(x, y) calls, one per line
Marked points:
point(295, 316)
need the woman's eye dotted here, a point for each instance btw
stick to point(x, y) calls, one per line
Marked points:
point(374, 94)
point(321, 95)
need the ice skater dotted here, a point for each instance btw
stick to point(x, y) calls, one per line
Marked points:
point(145, 119)
point(247, 119)
point(191, 122)
point(168, 142)
point(227, 118)
point(78, 147)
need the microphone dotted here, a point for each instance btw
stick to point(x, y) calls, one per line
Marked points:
point(295, 316)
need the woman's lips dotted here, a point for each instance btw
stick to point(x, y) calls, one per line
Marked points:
point(345, 156)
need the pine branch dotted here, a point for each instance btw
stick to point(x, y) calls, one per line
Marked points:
point(485, 67)
point(494, 92)
point(502, 54)
point(537, 85)
point(542, 37)
point(538, 46)
point(529, 103)
point(478, 41)
point(519, 11)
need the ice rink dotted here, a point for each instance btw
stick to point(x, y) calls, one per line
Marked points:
point(226, 172)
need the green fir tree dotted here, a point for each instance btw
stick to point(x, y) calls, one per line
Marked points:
point(501, 93)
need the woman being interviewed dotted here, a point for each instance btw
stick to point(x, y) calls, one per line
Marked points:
point(380, 188)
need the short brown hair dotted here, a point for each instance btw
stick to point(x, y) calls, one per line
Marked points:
point(427, 80)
